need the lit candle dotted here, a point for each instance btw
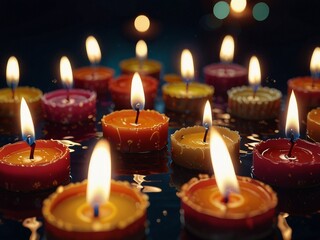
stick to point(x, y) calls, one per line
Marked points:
point(288, 162)
point(98, 208)
point(141, 64)
point(69, 105)
point(254, 102)
point(32, 165)
point(226, 206)
point(225, 75)
point(186, 96)
point(94, 77)
point(136, 130)
point(190, 147)
point(307, 88)
point(10, 98)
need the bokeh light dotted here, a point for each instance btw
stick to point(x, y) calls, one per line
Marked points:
point(238, 5)
point(142, 23)
point(260, 11)
point(221, 10)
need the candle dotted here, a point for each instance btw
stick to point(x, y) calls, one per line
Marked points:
point(31, 165)
point(289, 162)
point(120, 91)
point(94, 77)
point(313, 125)
point(225, 75)
point(98, 208)
point(227, 206)
point(141, 64)
point(10, 98)
point(254, 102)
point(190, 146)
point(70, 105)
point(188, 96)
point(136, 130)
point(307, 88)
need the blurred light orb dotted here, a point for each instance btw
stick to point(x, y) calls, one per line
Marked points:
point(221, 10)
point(260, 11)
point(238, 5)
point(142, 23)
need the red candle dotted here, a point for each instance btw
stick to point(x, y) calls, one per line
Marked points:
point(121, 86)
point(288, 162)
point(69, 105)
point(225, 75)
point(33, 165)
point(136, 130)
point(307, 89)
point(227, 206)
point(94, 77)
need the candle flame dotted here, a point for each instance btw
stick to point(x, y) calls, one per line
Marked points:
point(27, 128)
point(137, 92)
point(66, 72)
point(207, 115)
point(292, 122)
point(12, 72)
point(315, 62)
point(238, 5)
point(99, 175)
point(187, 68)
point(222, 165)
point(141, 50)
point(254, 72)
point(227, 49)
point(93, 50)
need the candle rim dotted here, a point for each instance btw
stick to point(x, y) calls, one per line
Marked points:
point(167, 86)
point(35, 91)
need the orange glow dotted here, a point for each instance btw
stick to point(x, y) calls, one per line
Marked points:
point(187, 68)
point(315, 61)
point(238, 5)
point(137, 92)
point(292, 122)
point(66, 72)
point(99, 175)
point(141, 50)
point(12, 72)
point(227, 49)
point(93, 50)
point(27, 127)
point(222, 165)
point(254, 72)
point(142, 23)
point(207, 115)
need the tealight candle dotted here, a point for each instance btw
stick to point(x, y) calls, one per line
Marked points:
point(227, 206)
point(190, 146)
point(69, 105)
point(289, 162)
point(254, 102)
point(313, 125)
point(120, 91)
point(32, 165)
point(94, 77)
point(307, 89)
point(225, 75)
point(136, 130)
point(141, 64)
point(10, 98)
point(98, 208)
point(188, 96)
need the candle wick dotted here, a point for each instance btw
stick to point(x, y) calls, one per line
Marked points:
point(205, 134)
point(96, 211)
point(137, 116)
point(32, 146)
point(291, 147)
point(187, 87)
point(13, 93)
point(141, 64)
point(68, 97)
point(225, 199)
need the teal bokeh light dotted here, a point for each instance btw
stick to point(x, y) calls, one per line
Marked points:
point(221, 10)
point(260, 11)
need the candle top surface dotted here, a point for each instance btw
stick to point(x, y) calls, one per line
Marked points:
point(305, 83)
point(245, 94)
point(255, 198)
point(126, 119)
point(225, 70)
point(93, 73)
point(134, 65)
point(123, 83)
point(30, 94)
point(194, 90)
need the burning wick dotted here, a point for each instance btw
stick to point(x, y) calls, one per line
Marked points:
point(68, 95)
point(225, 199)
point(138, 112)
point(291, 147)
point(205, 134)
point(255, 89)
point(33, 146)
point(13, 92)
point(96, 211)
point(187, 86)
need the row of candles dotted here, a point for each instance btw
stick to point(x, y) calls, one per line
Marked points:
point(101, 207)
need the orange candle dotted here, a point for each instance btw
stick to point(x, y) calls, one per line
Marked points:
point(136, 130)
point(313, 124)
point(98, 208)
